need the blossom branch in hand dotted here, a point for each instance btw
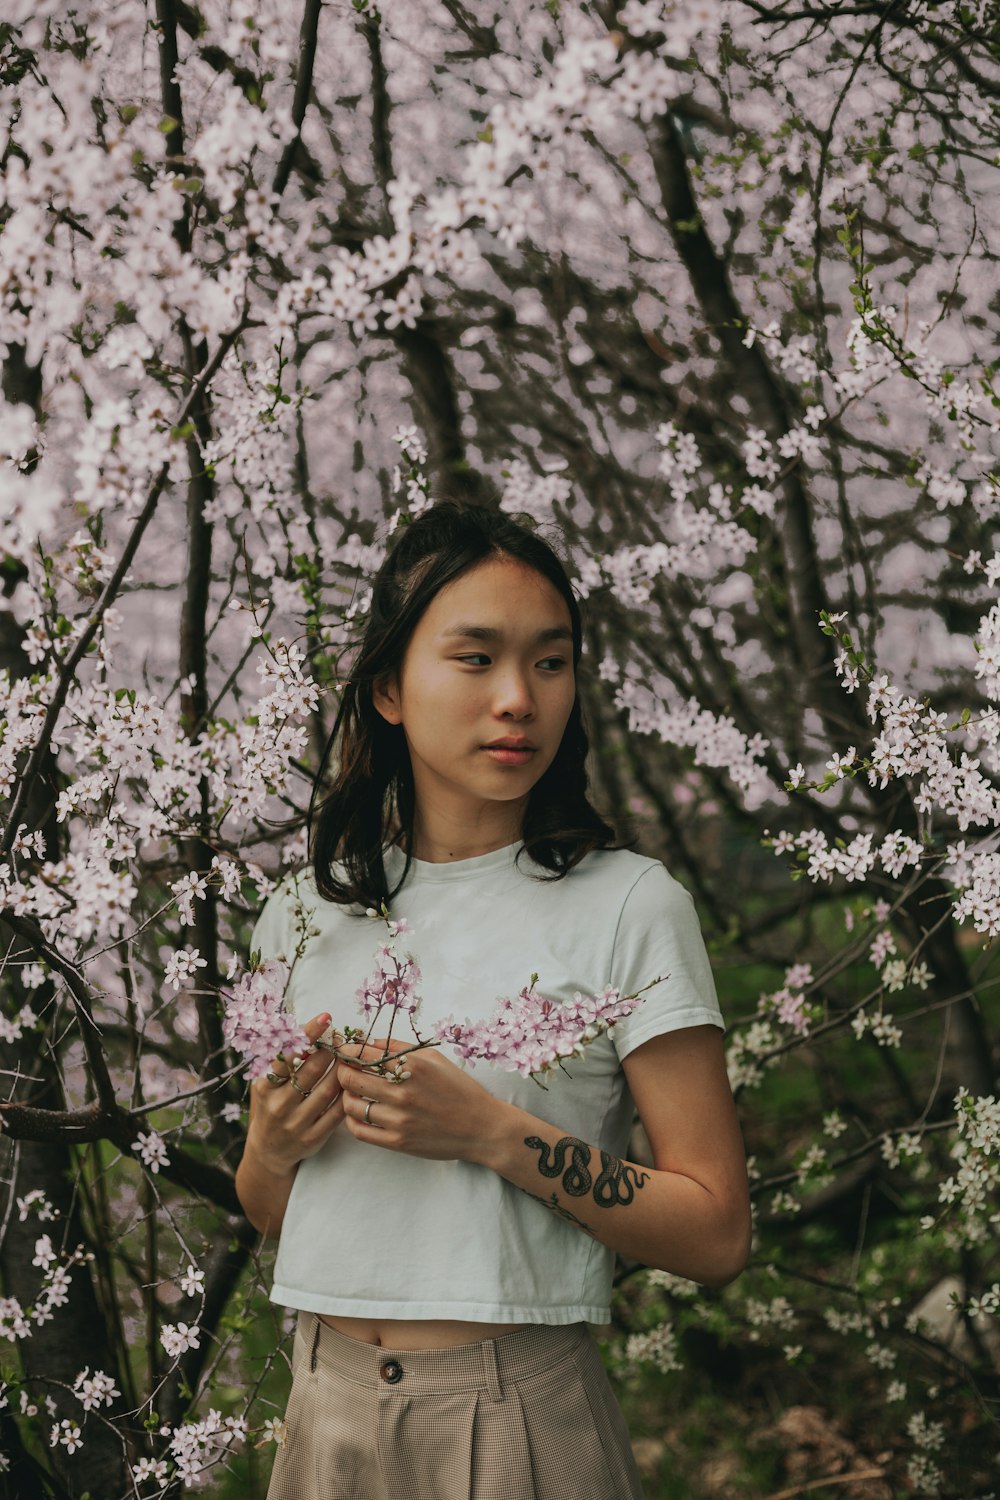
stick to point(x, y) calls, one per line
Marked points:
point(256, 1022)
point(531, 1034)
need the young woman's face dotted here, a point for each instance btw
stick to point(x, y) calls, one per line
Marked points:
point(485, 691)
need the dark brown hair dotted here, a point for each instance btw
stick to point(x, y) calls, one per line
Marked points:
point(371, 800)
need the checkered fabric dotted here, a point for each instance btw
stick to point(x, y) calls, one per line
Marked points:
point(527, 1416)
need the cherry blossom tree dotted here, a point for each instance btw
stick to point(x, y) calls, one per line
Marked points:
point(709, 289)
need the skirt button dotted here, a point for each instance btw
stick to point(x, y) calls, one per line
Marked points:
point(391, 1371)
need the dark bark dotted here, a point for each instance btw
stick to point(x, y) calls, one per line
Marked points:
point(425, 359)
point(173, 105)
point(29, 1122)
point(769, 407)
point(76, 1334)
point(197, 851)
point(294, 152)
point(968, 1042)
point(25, 1479)
point(431, 376)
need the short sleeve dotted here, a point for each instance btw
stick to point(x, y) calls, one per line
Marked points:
point(659, 935)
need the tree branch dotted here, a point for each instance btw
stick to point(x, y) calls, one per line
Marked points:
point(308, 35)
point(68, 673)
point(26, 1122)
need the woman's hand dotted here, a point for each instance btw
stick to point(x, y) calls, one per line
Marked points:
point(438, 1111)
point(292, 1120)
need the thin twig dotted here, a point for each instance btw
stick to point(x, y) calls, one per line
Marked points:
point(875, 1472)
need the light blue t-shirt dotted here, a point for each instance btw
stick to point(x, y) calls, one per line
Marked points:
point(370, 1232)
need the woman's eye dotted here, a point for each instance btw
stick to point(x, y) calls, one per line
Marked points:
point(480, 659)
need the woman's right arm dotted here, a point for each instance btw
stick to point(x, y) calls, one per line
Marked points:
point(286, 1126)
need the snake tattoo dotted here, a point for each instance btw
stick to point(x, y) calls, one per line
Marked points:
point(616, 1182)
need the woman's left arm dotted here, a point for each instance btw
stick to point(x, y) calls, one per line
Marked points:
point(689, 1213)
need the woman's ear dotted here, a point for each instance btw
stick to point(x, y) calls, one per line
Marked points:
point(385, 696)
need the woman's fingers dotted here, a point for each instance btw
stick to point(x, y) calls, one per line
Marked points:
point(294, 1120)
point(314, 1085)
point(357, 1084)
point(314, 1029)
point(300, 1078)
point(366, 1112)
point(320, 1114)
point(369, 1052)
point(367, 1099)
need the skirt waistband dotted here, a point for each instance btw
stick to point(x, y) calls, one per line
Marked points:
point(488, 1365)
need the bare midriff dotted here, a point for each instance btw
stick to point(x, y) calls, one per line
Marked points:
point(411, 1333)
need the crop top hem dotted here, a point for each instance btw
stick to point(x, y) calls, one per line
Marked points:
point(465, 1312)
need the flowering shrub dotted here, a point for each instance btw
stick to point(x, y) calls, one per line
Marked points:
point(710, 287)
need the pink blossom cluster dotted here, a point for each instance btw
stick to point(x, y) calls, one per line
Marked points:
point(196, 1447)
point(789, 1003)
point(971, 1193)
point(82, 200)
point(256, 1023)
point(177, 1338)
point(137, 776)
point(95, 1390)
point(854, 861)
point(16, 1320)
point(531, 1034)
point(529, 493)
point(152, 1151)
point(702, 537)
point(916, 742)
point(66, 1434)
point(394, 980)
point(716, 739)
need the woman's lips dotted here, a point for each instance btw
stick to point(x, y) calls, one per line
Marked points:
point(506, 755)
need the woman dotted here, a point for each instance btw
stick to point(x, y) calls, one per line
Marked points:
point(447, 1236)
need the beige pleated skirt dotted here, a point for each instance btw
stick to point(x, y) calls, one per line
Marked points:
point(527, 1416)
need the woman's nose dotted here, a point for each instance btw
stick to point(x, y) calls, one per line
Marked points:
point(514, 696)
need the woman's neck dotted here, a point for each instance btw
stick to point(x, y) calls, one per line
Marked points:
point(441, 845)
